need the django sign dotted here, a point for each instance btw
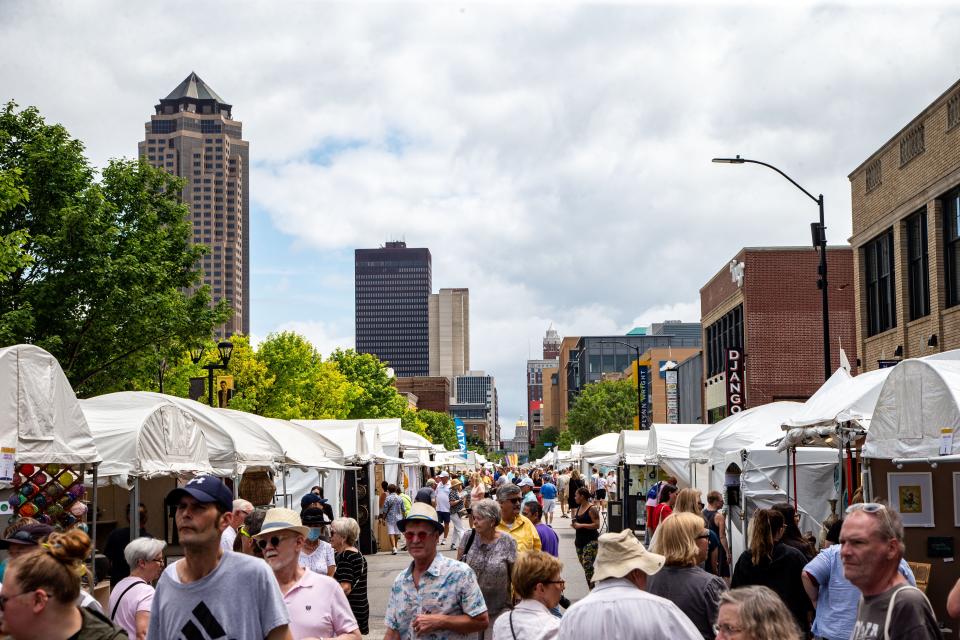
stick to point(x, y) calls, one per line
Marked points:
point(736, 402)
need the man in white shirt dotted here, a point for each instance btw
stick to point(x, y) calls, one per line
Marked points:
point(443, 504)
point(619, 606)
point(241, 509)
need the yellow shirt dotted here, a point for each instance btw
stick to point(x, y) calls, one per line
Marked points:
point(523, 533)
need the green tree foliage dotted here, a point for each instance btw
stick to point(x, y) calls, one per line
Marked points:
point(602, 407)
point(107, 261)
point(410, 421)
point(476, 444)
point(565, 440)
point(377, 397)
point(440, 428)
point(550, 434)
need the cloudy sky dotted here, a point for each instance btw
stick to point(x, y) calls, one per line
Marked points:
point(554, 157)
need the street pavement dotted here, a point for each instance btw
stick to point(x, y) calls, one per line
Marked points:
point(382, 568)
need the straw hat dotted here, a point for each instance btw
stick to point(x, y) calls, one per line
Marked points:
point(620, 553)
point(421, 512)
point(280, 519)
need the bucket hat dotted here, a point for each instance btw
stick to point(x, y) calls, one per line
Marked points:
point(280, 519)
point(421, 512)
point(620, 553)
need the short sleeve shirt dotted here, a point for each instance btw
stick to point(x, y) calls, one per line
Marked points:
point(320, 560)
point(912, 617)
point(443, 497)
point(548, 491)
point(448, 587)
point(214, 606)
point(138, 598)
point(318, 608)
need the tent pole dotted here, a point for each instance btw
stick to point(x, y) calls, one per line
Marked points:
point(93, 529)
point(796, 490)
point(236, 486)
point(840, 464)
point(135, 509)
point(286, 501)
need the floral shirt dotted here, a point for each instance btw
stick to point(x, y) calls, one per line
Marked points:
point(447, 586)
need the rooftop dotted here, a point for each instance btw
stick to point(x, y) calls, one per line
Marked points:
point(195, 88)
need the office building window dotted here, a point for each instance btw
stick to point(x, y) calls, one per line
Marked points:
point(951, 239)
point(725, 333)
point(878, 259)
point(918, 265)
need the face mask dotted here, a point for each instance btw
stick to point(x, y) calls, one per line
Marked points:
point(314, 534)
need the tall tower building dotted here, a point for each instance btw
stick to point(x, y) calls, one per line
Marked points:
point(449, 313)
point(551, 344)
point(535, 383)
point(392, 287)
point(192, 134)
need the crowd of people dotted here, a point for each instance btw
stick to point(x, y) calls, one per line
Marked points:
point(298, 575)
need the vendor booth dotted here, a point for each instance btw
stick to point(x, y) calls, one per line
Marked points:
point(600, 451)
point(668, 447)
point(912, 460)
point(634, 476)
point(46, 447)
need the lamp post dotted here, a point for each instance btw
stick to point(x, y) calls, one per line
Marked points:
point(819, 235)
point(640, 422)
point(225, 349)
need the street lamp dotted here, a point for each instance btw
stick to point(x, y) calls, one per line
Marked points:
point(640, 421)
point(225, 350)
point(818, 232)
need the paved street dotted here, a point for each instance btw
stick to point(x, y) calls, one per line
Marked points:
point(384, 567)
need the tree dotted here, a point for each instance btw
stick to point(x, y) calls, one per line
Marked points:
point(602, 407)
point(377, 397)
point(410, 422)
point(476, 444)
point(110, 273)
point(550, 434)
point(440, 428)
point(565, 440)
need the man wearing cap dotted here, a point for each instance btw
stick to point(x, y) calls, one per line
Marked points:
point(211, 593)
point(241, 509)
point(317, 606)
point(526, 491)
point(618, 606)
point(513, 522)
point(435, 597)
point(443, 504)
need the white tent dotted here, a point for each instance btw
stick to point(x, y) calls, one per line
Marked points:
point(668, 446)
point(301, 446)
point(42, 420)
point(602, 449)
point(414, 441)
point(919, 398)
point(346, 434)
point(632, 446)
point(144, 437)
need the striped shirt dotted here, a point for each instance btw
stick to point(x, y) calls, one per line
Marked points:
point(352, 568)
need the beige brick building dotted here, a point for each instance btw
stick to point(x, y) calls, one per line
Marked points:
point(192, 135)
point(449, 324)
point(906, 207)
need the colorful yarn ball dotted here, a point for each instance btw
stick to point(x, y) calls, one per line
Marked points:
point(68, 520)
point(55, 510)
point(77, 491)
point(66, 479)
point(54, 491)
point(29, 490)
point(52, 469)
point(44, 519)
point(28, 469)
point(16, 500)
point(39, 478)
point(28, 510)
point(40, 500)
point(17, 480)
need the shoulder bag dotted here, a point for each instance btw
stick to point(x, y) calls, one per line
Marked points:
point(113, 614)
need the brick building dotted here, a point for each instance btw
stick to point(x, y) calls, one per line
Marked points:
point(906, 238)
point(766, 303)
point(432, 392)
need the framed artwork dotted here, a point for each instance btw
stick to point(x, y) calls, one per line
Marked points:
point(911, 494)
point(956, 499)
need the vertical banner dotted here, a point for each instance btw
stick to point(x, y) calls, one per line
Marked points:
point(736, 402)
point(461, 436)
point(673, 405)
point(643, 375)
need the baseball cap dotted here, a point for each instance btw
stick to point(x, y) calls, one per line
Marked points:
point(444, 474)
point(526, 482)
point(204, 489)
point(620, 553)
point(311, 498)
point(421, 512)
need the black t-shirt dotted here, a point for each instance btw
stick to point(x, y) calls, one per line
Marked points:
point(782, 574)
point(911, 618)
point(117, 541)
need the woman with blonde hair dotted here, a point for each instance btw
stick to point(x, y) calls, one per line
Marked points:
point(682, 540)
point(754, 613)
point(536, 580)
point(41, 590)
point(770, 563)
point(689, 501)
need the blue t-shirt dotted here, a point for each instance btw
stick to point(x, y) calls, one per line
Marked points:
point(838, 599)
point(548, 491)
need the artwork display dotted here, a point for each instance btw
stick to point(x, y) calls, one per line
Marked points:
point(46, 493)
point(911, 495)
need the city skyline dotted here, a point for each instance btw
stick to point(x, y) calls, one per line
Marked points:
point(577, 191)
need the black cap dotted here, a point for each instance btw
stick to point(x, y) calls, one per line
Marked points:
point(31, 535)
point(311, 498)
point(204, 489)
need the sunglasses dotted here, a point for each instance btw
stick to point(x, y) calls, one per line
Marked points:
point(869, 507)
point(416, 535)
point(513, 500)
point(560, 582)
point(274, 541)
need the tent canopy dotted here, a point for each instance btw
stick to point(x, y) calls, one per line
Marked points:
point(740, 430)
point(668, 445)
point(39, 412)
point(144, 437)
point(602, 449)
point(919, 398)
point(302, 447)
point(842, 398)
point(632, 446)
point(346, 434)
point(410, 440)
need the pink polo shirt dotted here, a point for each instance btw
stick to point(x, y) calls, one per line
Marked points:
point(318, 608)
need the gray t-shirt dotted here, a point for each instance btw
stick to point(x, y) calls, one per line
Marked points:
point(694, 591)
point(425, 494)
point(912, 617)
point(239, 600)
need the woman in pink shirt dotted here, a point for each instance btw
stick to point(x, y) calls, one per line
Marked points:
point(315, 603)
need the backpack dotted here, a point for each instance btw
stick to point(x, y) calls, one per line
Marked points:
point(407, 504)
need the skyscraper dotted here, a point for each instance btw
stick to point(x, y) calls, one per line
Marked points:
point(192, 134)
point(535, 383)
point(391, 287)
point(449, 313)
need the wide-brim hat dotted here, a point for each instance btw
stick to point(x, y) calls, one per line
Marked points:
point(620, 553)
point(421, 512)
point(280, 519)
point(31, 535)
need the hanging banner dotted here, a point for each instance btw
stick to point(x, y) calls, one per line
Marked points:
point(736, 400)
point(461, 436)
point(673, 404)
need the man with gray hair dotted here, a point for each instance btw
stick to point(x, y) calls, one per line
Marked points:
point(890, 608)
point(513, 522)
point(241, 509)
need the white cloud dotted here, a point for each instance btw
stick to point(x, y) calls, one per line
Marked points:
point(322, 335)
point(554, 158)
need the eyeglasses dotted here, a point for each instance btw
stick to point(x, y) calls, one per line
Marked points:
point(158, 561)
point(416, 535)
point(869, 507)
point(704, 536)
point(726, 629)
point(274, 541)
point(560, 582)
point(6, 598)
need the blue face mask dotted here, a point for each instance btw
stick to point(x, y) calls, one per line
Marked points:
point(314, 534)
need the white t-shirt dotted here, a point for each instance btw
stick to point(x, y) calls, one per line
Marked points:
point(601, 483)
point(320, 560)
point(227, 538)
point(443, 497)
point(138, 598)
